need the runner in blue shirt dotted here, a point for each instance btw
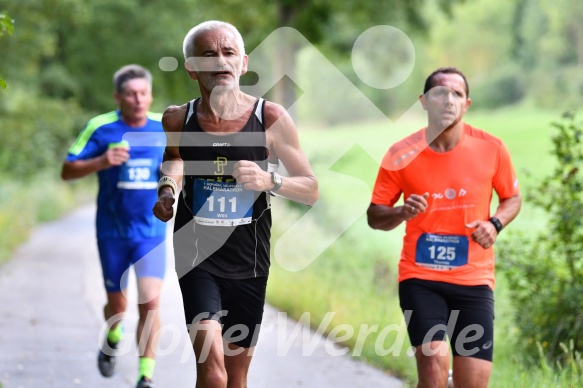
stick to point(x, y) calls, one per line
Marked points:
point(125, 149)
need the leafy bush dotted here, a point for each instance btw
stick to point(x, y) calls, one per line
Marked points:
point(545, 271)
point(6, 27)
point(36, 132)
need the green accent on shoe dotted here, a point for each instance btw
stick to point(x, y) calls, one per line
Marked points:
point(146, 367)
point(114, 335)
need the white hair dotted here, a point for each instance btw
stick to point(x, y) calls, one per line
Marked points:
point(188, 47)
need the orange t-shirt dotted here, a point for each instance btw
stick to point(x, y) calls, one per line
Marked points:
point(437, 245)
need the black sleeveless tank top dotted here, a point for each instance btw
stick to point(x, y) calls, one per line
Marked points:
point(227, 227)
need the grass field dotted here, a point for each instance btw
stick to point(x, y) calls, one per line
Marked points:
point(26, 203)
point(330, 264)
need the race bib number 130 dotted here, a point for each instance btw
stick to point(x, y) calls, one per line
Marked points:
point(138, 174)
point(441, 252)
point(221, 203)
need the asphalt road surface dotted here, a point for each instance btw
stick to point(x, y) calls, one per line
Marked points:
point(51, 297)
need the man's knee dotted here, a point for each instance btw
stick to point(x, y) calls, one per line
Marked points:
point(151, 305)
point(432, 364)
point(207, 342)
point(212, 377)
point(149, 290)
point(116, 303)
point(471, 372)
point(237, 369)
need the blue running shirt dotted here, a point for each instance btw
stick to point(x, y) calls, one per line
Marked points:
point(127, 193)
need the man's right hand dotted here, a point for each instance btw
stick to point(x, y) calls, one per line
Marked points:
point(414, 205)
point(163, 208)
point(115, 156)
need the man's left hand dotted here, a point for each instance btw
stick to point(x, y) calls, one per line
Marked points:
point(485, 233)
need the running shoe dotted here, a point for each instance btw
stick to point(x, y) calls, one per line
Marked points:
point(106, 360)
point(145, 383)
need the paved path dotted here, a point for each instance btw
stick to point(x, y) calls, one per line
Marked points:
point(50, 319)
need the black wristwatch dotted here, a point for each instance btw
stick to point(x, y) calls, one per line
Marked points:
point(276, 180)
point(497, 224)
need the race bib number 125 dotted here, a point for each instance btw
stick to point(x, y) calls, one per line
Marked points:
point(441, 252)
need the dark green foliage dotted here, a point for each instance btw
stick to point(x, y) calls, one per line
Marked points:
point(36, 132)
point(6, 24)
point(6, 27)
point(545, 271)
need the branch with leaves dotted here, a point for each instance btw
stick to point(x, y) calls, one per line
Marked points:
point(6, 27)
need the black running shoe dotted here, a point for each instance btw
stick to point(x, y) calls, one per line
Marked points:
point(145, 383)
point(106, 360)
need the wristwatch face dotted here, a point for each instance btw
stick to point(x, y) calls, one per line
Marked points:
point(276, 179)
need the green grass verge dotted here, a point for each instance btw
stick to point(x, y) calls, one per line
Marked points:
point(24, 204)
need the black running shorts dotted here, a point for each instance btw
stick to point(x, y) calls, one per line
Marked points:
point(465, 313)
point(236, 303)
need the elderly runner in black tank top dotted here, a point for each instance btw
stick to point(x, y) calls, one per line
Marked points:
point(217, 166)
point(210, 188)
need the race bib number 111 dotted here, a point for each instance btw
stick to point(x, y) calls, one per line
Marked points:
point(221, 203)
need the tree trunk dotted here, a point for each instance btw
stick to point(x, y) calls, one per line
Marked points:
point(284, 91)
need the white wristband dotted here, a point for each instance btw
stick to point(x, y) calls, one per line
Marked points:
point(167, 181)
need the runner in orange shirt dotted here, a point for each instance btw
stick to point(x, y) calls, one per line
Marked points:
point(446, 173)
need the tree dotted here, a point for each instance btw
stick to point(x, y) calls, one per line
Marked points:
point(68, 49)
point(6, 27)
point(548, 44)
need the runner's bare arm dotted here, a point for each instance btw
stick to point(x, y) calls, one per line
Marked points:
point(80, 168)
point(301, 184)
point(508, 209)
point(283, 143)
point(485, 233)
point(386, 217)
point(172, 165)
point(172, 121)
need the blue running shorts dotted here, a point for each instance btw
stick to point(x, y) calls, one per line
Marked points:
point(147, 256)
